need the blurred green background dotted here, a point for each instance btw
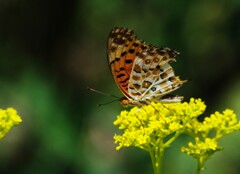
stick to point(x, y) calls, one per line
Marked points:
point(50, 51)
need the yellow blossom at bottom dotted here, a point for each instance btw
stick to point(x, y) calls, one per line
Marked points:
point(208, 132)
point(8, 119)
point(154, 127)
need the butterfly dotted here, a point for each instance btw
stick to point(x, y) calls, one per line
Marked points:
point(141, 71)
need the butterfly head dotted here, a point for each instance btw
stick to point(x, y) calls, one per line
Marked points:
point(125, 102)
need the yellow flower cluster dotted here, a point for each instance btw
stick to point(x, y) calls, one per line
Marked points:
point(8, 119)
point(146, 126)
point(201, 149)
point(154, 127)
point(207, 133)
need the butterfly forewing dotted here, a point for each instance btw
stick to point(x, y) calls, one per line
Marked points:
point(122, 50)
point(142, 72)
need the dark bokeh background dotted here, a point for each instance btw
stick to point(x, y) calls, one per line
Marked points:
point(50, 51)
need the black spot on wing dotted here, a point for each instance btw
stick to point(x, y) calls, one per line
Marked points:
point(123, 53)
point(124, 81)
point(120, 75)
point(131, 51)
point(135, 44)
point(128, 61)
point(121, 69)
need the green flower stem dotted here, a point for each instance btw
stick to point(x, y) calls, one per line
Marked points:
point(200, 165)
point(172, 139)
point(156, 154)
point(153, 160)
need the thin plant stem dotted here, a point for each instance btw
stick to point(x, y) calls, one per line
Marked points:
point(153, 160)
point(200, 163)
point(156, 154)
point(198, 168)
point(167, 144)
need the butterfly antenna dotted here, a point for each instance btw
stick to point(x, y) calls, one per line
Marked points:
point(98, 105)
point(100, 92)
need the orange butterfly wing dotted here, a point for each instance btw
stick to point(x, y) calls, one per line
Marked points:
point(122, 49)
